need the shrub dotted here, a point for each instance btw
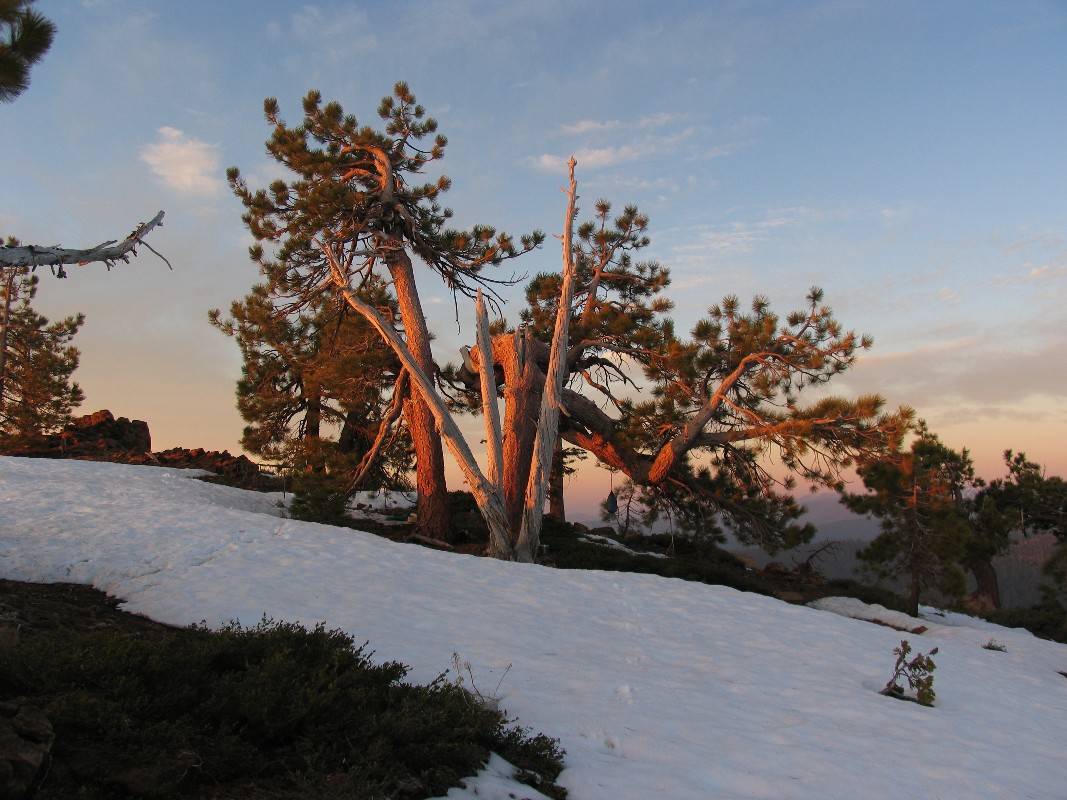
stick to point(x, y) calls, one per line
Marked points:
point(918, 672)
point(319, 497)
point(275, 710)
point(693, 561)
point(993, 644)
point(1047, 619)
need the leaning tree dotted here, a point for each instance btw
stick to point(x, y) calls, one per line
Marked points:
point(355, 206)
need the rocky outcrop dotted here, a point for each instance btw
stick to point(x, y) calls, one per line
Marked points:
point(238, 468)
point(101, 437)
point(95, 436)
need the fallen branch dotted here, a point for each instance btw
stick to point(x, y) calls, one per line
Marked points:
point(107, 252)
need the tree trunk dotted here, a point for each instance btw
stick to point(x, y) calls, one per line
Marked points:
point(556, 508)
point(523, 387)
point(985, 576)
point(526, 549)
point(913, 596)
point(432, 503)
point(5, 317)
point(486, 495)
point(350, 433)
point(312, 428)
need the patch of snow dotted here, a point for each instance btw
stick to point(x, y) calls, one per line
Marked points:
point(607, 541)
point(656, 687)
point(873, 612)
point(495, 782)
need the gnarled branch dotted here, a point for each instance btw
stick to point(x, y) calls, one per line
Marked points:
point(107, 252)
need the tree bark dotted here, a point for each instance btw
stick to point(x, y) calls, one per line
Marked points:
point(346, 440)
point(556, 508)
point(432, 503)
point(985, 576)
point(5, 320)
point(523, 387)
point(913, 595)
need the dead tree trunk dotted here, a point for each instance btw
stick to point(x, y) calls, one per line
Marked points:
point(432, 503)
point(523, 387)
point(548, 420)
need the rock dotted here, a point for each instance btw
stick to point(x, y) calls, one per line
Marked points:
point(26, 738)
point(100, 430)
point(604, 530)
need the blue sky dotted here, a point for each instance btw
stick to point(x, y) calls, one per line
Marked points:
point(908, 157)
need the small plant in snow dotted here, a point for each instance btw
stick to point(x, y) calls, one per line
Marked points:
point(918, 672)
point(993, 644)
point(488, 699)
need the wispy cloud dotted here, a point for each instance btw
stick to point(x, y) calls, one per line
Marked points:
point(739, 236)
point(947, 295)
point(334, 36)
point(183, 163)
point(584, 126)
point(611, 155)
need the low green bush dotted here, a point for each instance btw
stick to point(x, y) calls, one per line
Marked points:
point(697, 561)
point(319, 497)
point(1047, 619)
point(273, 711)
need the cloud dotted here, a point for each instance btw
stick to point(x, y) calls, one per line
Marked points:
point(739, 237)
point(183, 163)
point(611, 155)
point(584, 126)
point(947, 295)
point(1045, 272)
point(333, 36)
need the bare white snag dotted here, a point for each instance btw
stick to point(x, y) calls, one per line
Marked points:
point(107, 252)
point(548, 420)
point(493, 437)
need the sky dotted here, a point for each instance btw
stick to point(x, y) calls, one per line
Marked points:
point(909, 158)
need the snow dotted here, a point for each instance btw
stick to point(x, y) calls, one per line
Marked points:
point(607, 541)
point(656, 687)
point(857, 609)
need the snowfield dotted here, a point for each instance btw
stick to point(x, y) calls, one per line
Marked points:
point(657, 687)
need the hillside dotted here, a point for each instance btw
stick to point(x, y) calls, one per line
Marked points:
point(656, 687)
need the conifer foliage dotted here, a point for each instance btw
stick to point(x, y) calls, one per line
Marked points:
point(317, 387)
point(25, 36)
point(37, 361)
point(920, 494)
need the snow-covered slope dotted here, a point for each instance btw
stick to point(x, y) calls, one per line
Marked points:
point(656, 687)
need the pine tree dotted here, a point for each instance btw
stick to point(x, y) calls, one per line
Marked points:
point(920, 494)
point(26, 37)
point(353, 194)
point(37, 361)
point(321, 369)
point(1025, 501)
point(687, 419)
